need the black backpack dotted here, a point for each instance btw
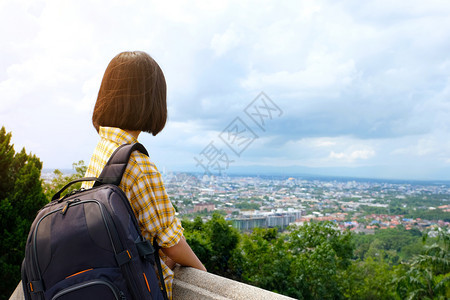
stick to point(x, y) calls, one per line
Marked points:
point(88, 245)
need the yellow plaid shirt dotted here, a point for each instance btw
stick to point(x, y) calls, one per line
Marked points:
point(144, 188)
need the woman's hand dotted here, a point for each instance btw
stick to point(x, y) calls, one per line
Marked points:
point(170, 263)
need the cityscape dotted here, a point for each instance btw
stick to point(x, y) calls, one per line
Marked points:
point(361, 205)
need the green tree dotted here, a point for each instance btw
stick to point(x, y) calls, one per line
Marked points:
point(59, 180)
point(197, 238)
point(223, 240)
point(266, 262)
point(247, 205)
point(397, 244)
point(215, 244)
point(21, 196)
point(303, 263)
point(368, 279)
point(427, 276)
point(320, 251)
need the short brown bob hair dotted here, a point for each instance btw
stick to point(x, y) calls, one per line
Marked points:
point(132, 95)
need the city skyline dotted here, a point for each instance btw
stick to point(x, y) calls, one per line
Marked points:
point(299, 87)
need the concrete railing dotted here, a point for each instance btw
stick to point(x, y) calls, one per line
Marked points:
point(192, 284)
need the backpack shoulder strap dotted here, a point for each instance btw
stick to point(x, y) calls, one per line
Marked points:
point(113, 171)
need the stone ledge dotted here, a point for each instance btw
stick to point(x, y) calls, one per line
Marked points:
point(18, 293)
point(191, 283)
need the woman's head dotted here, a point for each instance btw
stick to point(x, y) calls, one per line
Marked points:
point(132, 95)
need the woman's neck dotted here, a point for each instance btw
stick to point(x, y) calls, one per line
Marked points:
point(134, 133)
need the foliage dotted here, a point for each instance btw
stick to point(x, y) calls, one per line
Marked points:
point(21, 196)
point(319, 251)
point(247, 205)
point(426, 214)
point(205, 213)
point(395, 244)
point(265, 262)
point(375, 210)
point(414, 207)
point(368, 279)
point(303, 263)
point(214, 242)
point(317, 261)
point(427, 276)
point(59, 180)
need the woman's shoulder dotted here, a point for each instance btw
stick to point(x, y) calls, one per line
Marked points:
point(142, 163)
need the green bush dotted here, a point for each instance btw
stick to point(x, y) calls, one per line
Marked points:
point(21, 196)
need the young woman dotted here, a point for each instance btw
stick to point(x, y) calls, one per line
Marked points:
point(132, 99)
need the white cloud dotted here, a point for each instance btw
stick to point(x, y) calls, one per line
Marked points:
point(222, 43)
point(341, 151)
point(323, 142)
point(433, 146)
point(322, 74)
point(352, 156)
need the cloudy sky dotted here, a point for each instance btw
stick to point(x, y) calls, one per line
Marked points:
point(352, 88)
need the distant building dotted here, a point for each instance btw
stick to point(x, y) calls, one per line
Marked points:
point(246, 224)
point(267, 220)
point(204, 206)
point(281, 221)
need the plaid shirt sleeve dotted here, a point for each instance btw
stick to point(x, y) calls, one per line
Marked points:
point(147, 195)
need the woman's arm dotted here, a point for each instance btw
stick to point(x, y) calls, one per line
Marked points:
point(182, 253)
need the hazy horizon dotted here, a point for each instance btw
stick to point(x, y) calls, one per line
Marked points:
point(298, 174)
